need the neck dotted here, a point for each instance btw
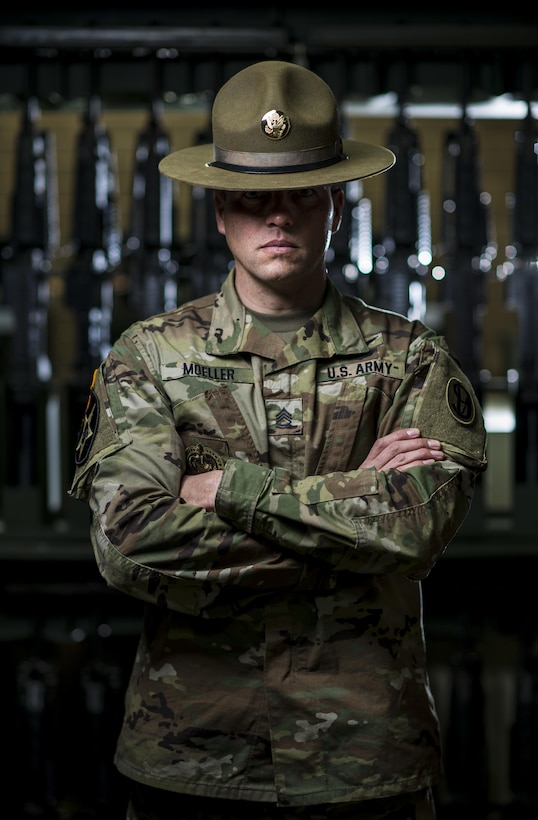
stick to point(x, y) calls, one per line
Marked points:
point(281, 298)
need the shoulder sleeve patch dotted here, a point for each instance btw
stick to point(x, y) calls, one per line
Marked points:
point(460, 402)
point(448, 410)
point(98, 436)
point(88, 430)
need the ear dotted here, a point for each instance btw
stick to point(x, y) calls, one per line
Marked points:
point(336, 223)
point(338, 204)
point(218, 201)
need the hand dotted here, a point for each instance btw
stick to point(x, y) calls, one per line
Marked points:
point(200, 489)
point(398, 450)
point(402, 449)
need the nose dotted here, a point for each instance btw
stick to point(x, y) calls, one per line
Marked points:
point(279, 208)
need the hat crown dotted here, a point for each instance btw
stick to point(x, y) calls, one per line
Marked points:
point(308, 109)
point(275, 126)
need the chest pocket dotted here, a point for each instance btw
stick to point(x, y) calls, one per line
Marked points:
point(342, 420)
point(213, 429)
point(354, 423)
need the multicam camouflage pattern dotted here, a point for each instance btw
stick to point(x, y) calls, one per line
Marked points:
point(282, 655)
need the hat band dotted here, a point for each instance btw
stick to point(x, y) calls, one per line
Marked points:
point(278, 162)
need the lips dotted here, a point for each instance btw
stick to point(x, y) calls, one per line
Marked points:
point(278, 243)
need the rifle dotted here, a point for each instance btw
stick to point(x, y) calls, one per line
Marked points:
point(31, 398)
point(97, 241)
point(467, 247)
point(207, 256)
point(102, 693)
point(153, 272)
point(522, 291)
point(37, 695)
point(407, 244)
point(349, 259)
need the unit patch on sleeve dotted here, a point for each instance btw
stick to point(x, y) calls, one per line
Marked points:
point(88, 429)
point(460, 402)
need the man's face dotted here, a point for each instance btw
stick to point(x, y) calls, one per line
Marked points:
point(279, 236)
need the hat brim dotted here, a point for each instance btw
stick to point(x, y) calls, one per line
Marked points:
point(191, 165)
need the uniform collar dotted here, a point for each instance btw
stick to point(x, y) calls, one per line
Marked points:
point(333, 331)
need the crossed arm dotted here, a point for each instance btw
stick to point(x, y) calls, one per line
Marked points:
point(400, 450)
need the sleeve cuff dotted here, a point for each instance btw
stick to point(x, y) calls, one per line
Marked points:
point(239, 490)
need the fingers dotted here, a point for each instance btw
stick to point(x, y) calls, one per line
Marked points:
point(402, 449)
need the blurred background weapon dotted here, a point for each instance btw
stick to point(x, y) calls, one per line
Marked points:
point(405, 252)
point(96, 237)
point(102, 689)
point(467, 244)
point(524, 739)
point(522, 293)
point(37, 704)
point(31, 403)
point(349, 258)
point(152, 268)
point(206, 254)
point(466, 762)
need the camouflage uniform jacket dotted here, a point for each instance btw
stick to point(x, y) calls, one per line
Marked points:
point(282, 652)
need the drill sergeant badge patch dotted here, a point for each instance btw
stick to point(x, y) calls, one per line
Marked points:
point(460, 402)
point(202, 459)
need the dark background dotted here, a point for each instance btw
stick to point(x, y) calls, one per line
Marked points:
point(67, 640)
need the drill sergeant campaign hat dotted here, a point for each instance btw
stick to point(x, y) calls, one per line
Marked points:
point(275, 126)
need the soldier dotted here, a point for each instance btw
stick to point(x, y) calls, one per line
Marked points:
point(273, 469)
